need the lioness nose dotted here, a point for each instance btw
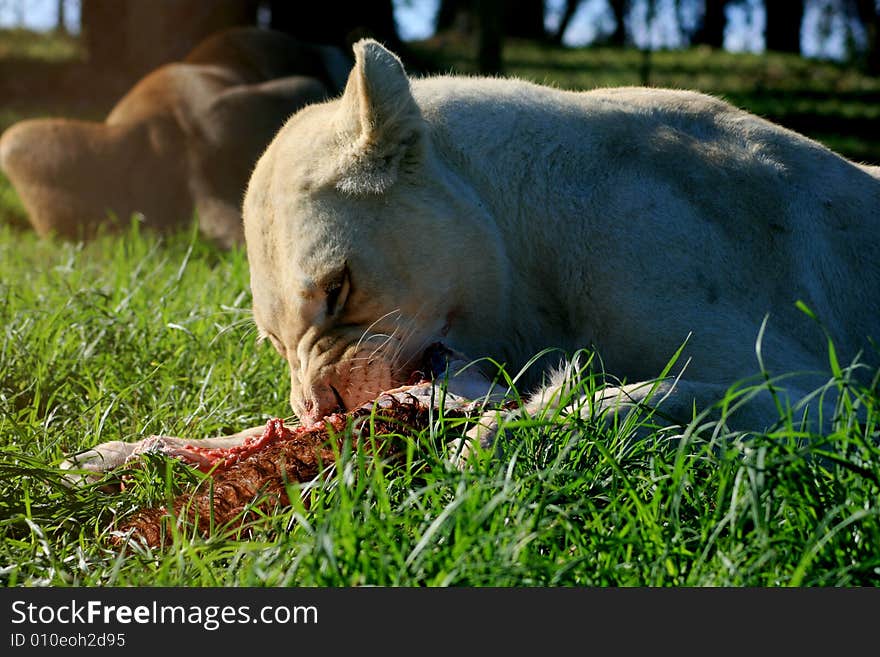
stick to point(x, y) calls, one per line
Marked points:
point(320, 401)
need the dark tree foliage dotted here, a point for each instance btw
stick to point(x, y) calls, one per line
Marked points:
point(516, 18)
point(490, 21)
point(782, 31)
point(524, 19)
point(340, 23)
point(491, 36)
point(868, 14)
point(458, 15)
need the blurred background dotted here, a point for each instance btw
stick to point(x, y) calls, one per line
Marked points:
point(811, 65)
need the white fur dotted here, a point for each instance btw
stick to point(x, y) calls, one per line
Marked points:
point(503, 217)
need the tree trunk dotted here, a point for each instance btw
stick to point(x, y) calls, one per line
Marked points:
point(620, 8)
point(525, 19)
point(61, 22)
point(103, 25)
point(136, 36)
point(516, 18)
point(711, 30)
point(571, 6)
point(166, 30)
point(491, 36)
point(869, 16)
point(782, 31)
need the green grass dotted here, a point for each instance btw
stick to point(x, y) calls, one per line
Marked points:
point(12, 211)
point(25, 44)
point(135, 335)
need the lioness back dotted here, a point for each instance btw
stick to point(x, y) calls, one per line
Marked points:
point(581, 164)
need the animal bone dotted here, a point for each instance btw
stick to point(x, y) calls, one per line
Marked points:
point(261, 468)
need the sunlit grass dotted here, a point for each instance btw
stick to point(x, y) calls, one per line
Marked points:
point(135, 335)
point(46, 46)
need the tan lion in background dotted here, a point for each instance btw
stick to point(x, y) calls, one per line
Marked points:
point(184, 139)
point(500, 217)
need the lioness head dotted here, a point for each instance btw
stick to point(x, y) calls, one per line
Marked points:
point(364, 248)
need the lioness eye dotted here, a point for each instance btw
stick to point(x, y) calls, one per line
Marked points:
point(337, 292)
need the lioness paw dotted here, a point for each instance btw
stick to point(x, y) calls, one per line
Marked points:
point(481, 436)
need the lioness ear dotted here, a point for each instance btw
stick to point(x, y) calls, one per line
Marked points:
point(379, 124)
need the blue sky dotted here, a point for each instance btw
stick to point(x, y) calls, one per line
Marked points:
point(415, 21)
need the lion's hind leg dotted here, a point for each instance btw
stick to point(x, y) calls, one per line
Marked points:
point(640, 409)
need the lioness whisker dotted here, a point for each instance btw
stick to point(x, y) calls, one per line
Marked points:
point(370, 327)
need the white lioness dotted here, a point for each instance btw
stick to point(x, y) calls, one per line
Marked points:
point(500, 217)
